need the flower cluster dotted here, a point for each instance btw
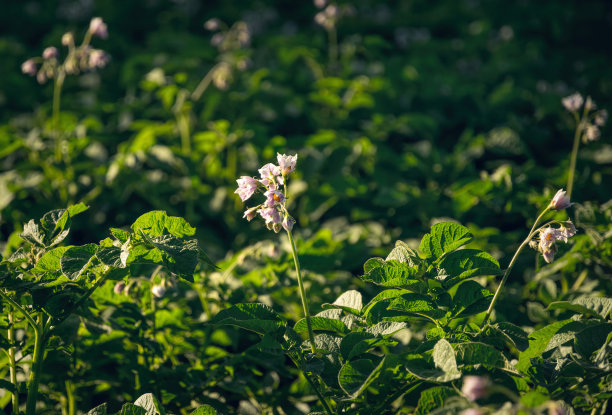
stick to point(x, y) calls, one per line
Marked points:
point(271, 182)
point(591, 120)
point(548, 237)
point(79, 58)
point(330, 14)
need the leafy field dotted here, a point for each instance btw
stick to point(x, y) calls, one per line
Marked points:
point(318, 208)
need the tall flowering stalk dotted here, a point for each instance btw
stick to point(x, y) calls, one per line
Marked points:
point(543, 239)
point(273, 184)
point(79, 58)
point(588, 124)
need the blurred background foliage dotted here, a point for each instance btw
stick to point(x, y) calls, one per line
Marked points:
point(403, 113)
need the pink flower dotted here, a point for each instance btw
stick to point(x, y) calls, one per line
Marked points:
point(97, 27)
point(286, 163)
point(29, 67)
point(547, 238)
point(97, 59)
point(591, 133)
point(573, 102)
point(475, 387)
point(566, 231)
point(50, 52)
point(560, 201)
point(269, 176)
point(549, 254)
point(274, 197)
point(246, 187)
point(270, 215)
point(471, 411)
point(119, 287)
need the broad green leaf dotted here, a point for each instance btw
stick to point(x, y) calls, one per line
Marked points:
point(444, 238)
point(444, 357)
point(474, 353)
point(149, 402)
point(33, 234)
point(468, 263)
point(350, 301)
point(76, 259)
point(322, 323)
point(157, 222)
point(355, 377)
point(324, 343)
point(567, 333)
point(394, 274)
point(404, 254)
point(419, 304)
point(110, 256)
point(385, 295)
point(513, 334)
point(372, 263)
point(433, 398)
point(385, 328)
point(205, 410)
point(600, 305)
point(538, 340)
point(254, 317)
point(180, 256)
point(591, 339)
point(470, 298)
point(121, 235)
point(50, 261)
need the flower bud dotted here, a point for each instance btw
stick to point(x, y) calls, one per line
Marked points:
point(50, 52)
point(589, 104)
point(560, 201)
point(29, 67)
point(98, 28)
point(475, 387)
point(471, 411)
point(600, 118)
point(249, 214)
point(320, 3)
point(573, 102)
point(276, 227)
point(288, 222)
point(158, 290)
point(591, 133)
point(97, 59)
point(67, 39)
point(119, 287)
point(212, 24)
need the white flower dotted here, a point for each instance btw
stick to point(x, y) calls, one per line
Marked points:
point(50, 52)
point(274, 197)
point(269, 176)
point(158, 290)
point(67, 39)
point(573, 102)
point(560, 201)
point(591, 133)
point(288, 223)
point(29, 67)
point(212, 24)
point(270, 215)
point(286, 163)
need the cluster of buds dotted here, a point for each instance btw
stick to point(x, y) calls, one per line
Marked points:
point(330, 14)
point(272, 181)
point(591, 120)
point(79, 58)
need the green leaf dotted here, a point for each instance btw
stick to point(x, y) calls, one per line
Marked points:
point(474, 353)
point(433, 398)
point(131, 409)
point(419, 304)
point(445, 364)
point(205, 410)
point(372, 263)
point(323, 324)
point(98, 410)
point(468, 263)
point(394, 274)
point(386, 328)
point(404, 254)
point(600, 305)
point(538, 340)
point(444, 237)
point(151, 405)
point(111, 256)
point(353, 375)
point(513, 334)
point(157, 222)
point(121, 235)
point(444, 356)
point(75, 260)
point(180, 256)
point(50, 261)
point(592, 338)
point(350, 301)
point(57, 223)
point(254, 317)
point(470, 298)
point(32, 233)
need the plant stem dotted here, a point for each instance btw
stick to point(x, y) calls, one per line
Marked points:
point(512, 261)
point(12, 365)
point(57, 92)
point(573, 157)
point(20, 308)
point(70, 397)
point(37, 359)
point(302, 292)
point(318, 392)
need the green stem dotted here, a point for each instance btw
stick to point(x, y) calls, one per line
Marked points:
point(57, 92)
point(512, 261)
point(70, 397)
point(302, 292)
point(20, 308)
point(318, 392)
point(12, 365)
point(574, 156)
point(37, 360)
